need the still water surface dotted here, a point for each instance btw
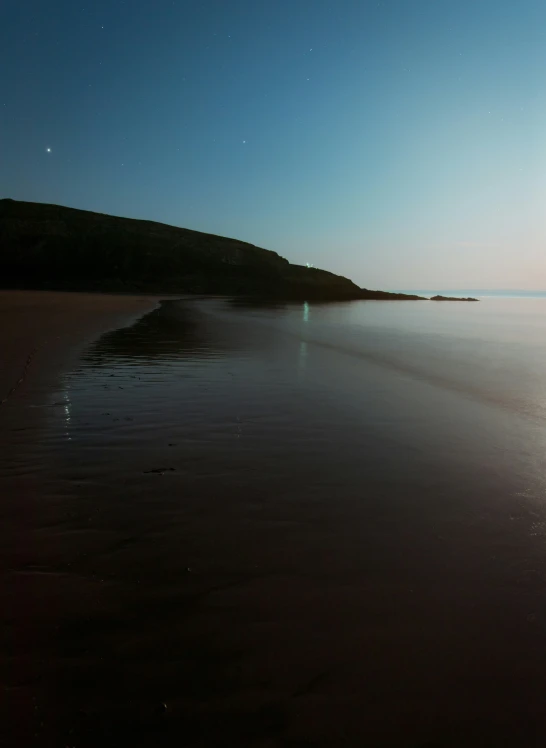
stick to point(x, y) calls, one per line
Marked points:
point(294, 525)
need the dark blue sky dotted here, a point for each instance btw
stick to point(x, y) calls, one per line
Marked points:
point(401, 143)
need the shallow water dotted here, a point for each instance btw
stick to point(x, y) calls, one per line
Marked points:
point(293, 525)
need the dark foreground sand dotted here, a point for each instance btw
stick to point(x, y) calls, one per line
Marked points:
point(42, 335)
point(42, 332)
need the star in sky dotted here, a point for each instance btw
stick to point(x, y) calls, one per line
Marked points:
point(48, 150)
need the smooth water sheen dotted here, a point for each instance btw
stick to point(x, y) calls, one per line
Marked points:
point(293, 525)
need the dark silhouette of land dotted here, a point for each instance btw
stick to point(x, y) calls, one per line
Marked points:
point(452, 298)
point(51, 247)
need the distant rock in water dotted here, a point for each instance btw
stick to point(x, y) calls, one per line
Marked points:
point(452, 298)
point(53, 247)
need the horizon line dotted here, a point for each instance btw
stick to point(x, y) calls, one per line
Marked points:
point(469, 288)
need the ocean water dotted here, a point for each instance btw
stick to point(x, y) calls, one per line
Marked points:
point(290, 524)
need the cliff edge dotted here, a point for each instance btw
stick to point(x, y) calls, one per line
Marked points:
point(53, 247)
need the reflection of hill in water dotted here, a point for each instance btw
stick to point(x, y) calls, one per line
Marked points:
point(172, 331)
point(249, 302)
point(179, 329)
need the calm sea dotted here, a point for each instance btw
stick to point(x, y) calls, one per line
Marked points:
point(292, 525)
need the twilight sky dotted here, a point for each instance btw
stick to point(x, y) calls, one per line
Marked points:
point(401, 143)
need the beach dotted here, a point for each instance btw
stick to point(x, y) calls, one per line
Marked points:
point(42, 335)
point(272, 525)
point(48, 329)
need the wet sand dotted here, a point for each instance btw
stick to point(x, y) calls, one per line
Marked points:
point(42, 335)
point(42, 332)
point(216, 530)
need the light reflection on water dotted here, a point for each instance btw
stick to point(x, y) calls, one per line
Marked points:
point(205, 363)
point(296, 490)
point(349, 403)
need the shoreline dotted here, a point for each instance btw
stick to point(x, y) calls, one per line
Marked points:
point(199, 489)
point(43, 332)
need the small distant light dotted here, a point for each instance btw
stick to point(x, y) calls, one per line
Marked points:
point(48, 150)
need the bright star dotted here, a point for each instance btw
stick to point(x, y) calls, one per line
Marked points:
point(48, 150)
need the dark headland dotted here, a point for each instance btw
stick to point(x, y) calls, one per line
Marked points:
point(51, 247)
point(452, 298)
